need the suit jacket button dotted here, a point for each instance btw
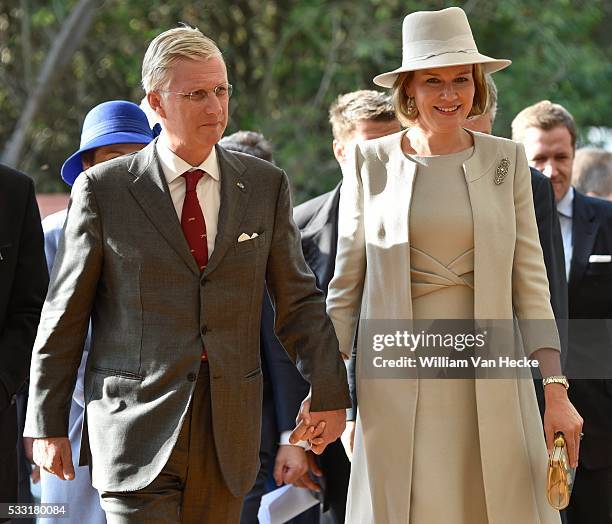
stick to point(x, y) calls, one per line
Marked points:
point(203, 281)
point(191, 377)
point(204, 330)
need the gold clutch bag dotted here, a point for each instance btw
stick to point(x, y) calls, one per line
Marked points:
point(560, 477)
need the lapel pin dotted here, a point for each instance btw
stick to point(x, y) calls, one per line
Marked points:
point(501, 171)
point(241, 186)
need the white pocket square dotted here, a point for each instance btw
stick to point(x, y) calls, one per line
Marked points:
point(600, 259)
point(243, 237)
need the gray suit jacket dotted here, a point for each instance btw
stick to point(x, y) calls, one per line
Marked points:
point(124, 260)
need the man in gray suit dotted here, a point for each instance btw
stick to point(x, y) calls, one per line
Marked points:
point(168, 250)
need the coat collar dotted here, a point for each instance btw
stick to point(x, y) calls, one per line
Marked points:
point(150, 190)
point(485, 157)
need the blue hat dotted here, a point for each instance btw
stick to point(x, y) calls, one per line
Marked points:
point(114, 122)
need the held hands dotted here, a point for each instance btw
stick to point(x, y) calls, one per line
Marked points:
point(319, 428)
point(560, 415)
point(54, 455)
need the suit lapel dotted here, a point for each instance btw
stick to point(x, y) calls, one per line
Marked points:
point(233, 204)
point(150, 190)
point(320, 239)
point(325, 215)
point(584, 231)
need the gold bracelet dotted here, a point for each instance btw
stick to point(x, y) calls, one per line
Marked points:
point(556, 379)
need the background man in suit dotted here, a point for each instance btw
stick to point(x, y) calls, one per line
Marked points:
point(110, 130)
point(548, 132)
point(283, 386)
point(173, 381)
point(592, 172)
point(23, 284)
point(356, 116)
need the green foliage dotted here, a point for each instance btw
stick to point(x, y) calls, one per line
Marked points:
point(288, 60)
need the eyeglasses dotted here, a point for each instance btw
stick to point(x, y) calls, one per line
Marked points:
point(220, 91)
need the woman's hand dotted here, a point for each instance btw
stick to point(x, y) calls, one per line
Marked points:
point(561, 415)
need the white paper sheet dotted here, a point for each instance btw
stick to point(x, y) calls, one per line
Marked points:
point(282, 504)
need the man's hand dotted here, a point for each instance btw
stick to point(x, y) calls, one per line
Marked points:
point(348, 438)
point(306, 481)
point(320, 428)
point(27, 447)
point(54, 455)
point(290, 464)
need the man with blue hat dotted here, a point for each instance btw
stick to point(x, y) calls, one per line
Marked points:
point(110, 130)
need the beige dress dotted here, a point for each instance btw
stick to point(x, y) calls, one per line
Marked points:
point(447, 483)
point(404, 469)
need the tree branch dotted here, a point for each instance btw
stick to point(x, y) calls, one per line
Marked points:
point(71, 33)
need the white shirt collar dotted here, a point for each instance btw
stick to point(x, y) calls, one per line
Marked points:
point(174, 166)
point(565, 206)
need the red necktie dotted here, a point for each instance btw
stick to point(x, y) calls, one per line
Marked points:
point(193, 224)
point(192, 219)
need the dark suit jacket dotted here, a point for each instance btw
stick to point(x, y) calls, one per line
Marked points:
point(317, 220)
point(551, 241)
point(287, 383)
point(123, 260)
point(590, 297)
point(23, 284)
point(282, 381)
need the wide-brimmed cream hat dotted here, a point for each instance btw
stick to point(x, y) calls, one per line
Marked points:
point(433, 39)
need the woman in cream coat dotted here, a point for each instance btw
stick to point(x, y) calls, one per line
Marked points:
point(466, 246)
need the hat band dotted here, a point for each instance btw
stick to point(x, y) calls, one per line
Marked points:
point(426, 57)
point(114, 125)
point(424, 49)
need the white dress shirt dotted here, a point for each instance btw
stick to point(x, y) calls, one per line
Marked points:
point(209, 196)
point(208, 188)
point(565, 209)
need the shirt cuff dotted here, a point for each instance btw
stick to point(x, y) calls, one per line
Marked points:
point(284, 441)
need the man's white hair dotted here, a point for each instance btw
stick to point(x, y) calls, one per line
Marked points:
point(169, 46)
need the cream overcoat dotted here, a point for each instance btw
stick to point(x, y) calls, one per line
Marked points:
point(372, 281)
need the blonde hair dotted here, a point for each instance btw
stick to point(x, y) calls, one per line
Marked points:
point(543, 115)
point(592, 172)
point(350, 108)
point(492, 100)
point(406, 110)
point(169, 46)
